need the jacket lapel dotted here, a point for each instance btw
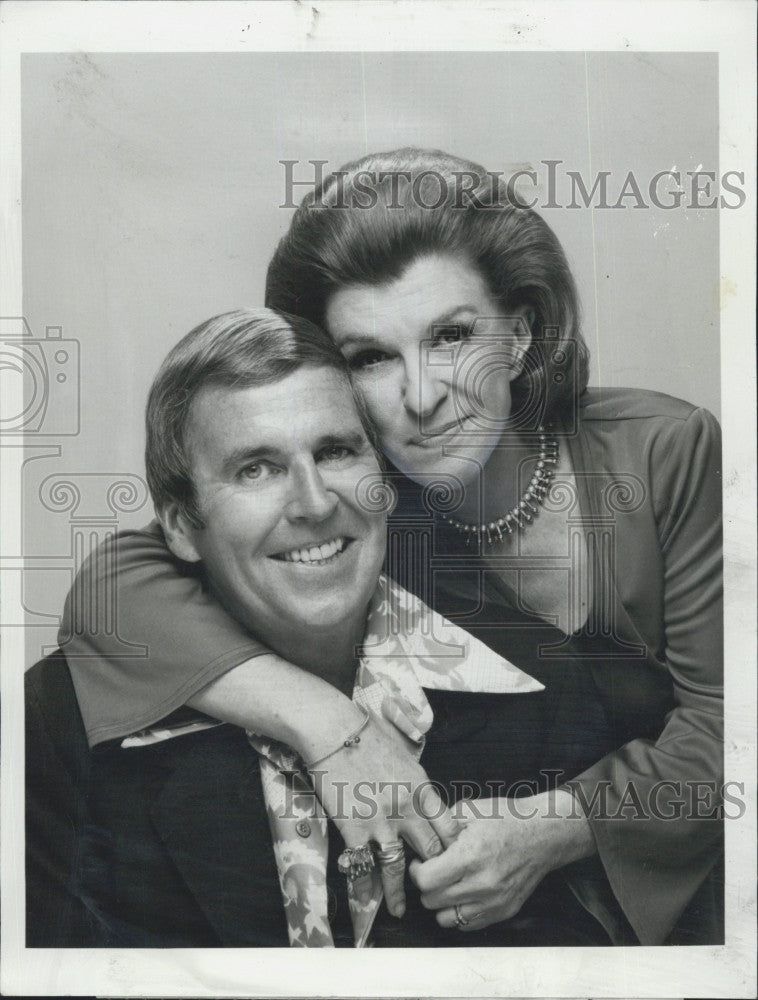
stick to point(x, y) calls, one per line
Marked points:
point(210, 815)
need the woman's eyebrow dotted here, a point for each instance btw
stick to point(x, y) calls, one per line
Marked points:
point(445, 319)
point(450, 316)
point(356, 338)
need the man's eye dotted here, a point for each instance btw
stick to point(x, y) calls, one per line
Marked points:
point(451, 334)
point(336, 452)
point(255, 470)
point(366, 359)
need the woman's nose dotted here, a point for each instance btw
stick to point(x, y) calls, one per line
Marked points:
point(309, 497)
point(423, 390)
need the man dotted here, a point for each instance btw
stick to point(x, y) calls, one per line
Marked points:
point(176, 831)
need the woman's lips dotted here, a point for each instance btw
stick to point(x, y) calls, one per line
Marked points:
point(438, 434)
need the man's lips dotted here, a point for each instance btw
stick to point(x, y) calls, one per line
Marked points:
point(434, 434)
point(316, 553)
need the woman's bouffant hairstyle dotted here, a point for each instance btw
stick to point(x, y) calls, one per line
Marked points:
point(368, 221)
point(238, 350)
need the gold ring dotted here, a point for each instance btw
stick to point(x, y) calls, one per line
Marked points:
point(460, 920)
point(387, 854)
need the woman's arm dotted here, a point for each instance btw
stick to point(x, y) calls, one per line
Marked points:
point(374, 791)
point(169, 644)
point(655, 864)
point(650, 810)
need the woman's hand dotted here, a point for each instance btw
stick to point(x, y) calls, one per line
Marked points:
point(503, 851)
point(377, 791)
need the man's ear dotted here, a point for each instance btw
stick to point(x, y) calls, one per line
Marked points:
point(180, 535)
point(521, 330)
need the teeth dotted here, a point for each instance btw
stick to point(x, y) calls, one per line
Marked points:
point(316, 553)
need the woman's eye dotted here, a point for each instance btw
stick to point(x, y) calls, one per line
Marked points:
point(367, 359)
point(451, 334)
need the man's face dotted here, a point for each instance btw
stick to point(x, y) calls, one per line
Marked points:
point(286, 544)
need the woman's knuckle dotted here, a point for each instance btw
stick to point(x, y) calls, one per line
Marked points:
point(469, 865)
point(432, 845)
point(419, 877)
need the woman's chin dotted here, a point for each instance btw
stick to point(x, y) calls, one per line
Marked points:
point(457, 468)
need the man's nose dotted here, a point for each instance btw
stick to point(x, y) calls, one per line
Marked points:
point(423, 390)
point(309, 498)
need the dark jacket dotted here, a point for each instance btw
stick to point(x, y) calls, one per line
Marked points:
point(120, 855)
point(169, 845)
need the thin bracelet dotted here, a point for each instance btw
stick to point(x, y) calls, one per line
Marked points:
point(350, 741)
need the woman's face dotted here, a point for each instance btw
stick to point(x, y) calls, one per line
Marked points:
point(434, 358)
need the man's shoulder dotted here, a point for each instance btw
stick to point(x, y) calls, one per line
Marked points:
point(52, 711)
point(50, 679)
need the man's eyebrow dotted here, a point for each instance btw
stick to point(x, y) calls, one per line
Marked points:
point(445, 319)
point(248, 453)
point(351, 439)
point(251, 453)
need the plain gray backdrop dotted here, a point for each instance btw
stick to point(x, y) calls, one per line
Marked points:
point(151, 201)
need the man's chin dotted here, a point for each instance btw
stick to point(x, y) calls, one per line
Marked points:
point(321, 617)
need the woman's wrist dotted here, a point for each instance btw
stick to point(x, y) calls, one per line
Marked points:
point(347, 742)
point(331, 720)
point(572, 837)
point(273, 698)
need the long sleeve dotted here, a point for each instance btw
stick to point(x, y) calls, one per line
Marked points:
point(141, 636)
point(659, 831)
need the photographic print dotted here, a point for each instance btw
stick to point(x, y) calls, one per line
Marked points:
point(378, 472)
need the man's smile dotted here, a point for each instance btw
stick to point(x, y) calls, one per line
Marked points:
point(286, 543)
point(317, 553)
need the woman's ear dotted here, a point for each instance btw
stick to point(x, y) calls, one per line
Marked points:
point(180, 535)
point(523, 317)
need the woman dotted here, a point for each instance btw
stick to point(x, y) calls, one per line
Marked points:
point(591, 517)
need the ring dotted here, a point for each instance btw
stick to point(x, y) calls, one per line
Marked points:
point(388, 853)
point(355, 862)
point(460, 920)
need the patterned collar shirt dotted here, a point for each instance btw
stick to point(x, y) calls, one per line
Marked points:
point(407, 647)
